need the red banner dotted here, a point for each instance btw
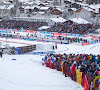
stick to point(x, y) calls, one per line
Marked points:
point(27, 30)
point(58, 34)
point(87, 36)
point(30, 31)
point(1, 29)
point(97, 37)
point(8, 29)
point(83, 44)
point(15, 30)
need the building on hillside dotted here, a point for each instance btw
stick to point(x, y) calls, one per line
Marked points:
point(6, 9)
point(95, 7)
point(17, 4)
point(71, 11)
point(75, 5)
point(35, 19)
point(55, 11)
point(42, 5)
point(88, 13)
point(21, 9)
point(29, 3)
point(91, 1)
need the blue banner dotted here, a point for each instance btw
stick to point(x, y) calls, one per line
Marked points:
point(48, 52)
point(81, 35)
point(69, 34)
point(4, 31)
point(16, 51)
point(29, 39)
point(36, 53)
point(13, 30)
point(46, 34)
point(93, 42)
point(75, 35)
point(19, 30)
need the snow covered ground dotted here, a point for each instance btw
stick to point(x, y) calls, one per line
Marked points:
point(62, 48)
point(78, 49)
point(27, 73)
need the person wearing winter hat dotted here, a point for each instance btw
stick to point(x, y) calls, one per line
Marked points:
point(95, 81)
point(96, 73)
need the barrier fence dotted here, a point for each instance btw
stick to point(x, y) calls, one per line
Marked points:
point(48, 34)
point(51, 34)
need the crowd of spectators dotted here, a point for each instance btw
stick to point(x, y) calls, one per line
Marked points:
point(73, 39)
point(65, 27)
point(27, 25)
point(70, 27)
point(68, 63)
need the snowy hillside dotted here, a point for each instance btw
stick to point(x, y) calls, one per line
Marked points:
point(27, 73)
point(78, 49)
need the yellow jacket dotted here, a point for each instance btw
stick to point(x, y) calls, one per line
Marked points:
point(96, 78)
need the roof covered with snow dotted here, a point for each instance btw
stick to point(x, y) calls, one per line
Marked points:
point(59, 19)
point(88, 9)
point(41, 12)
point(79, 20)
point(28, 7)
point(95, 6)
point(98, 30)
point(9, 6)
point(44, 8)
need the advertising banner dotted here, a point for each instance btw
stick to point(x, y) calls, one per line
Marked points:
point(4, 31)
point(47, 52)
point(81, 35)
point(93, 42)
point(8, 30)
point(44, 34)
point(76, 35)
point(87, 36)
point(1, 29)
point(55, 34)
point(83, 44)
point(59, 34)
point(16, 51)
point(15, 30)
point(36, 53)
point(96, 37)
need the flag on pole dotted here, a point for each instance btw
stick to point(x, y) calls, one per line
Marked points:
point(52, 60)
point(42, 61)
point(86, 86)
point(78, 76)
